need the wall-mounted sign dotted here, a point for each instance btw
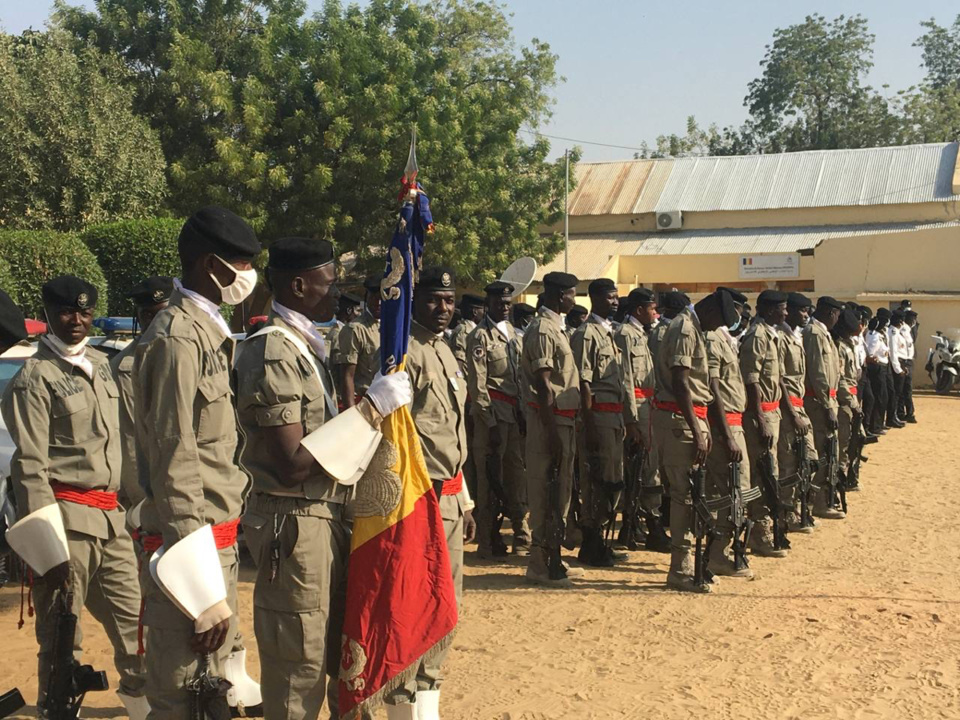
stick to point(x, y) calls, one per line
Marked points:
point(786, 265)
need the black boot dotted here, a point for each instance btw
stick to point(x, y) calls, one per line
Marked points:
point(657, 538)
point(594, 551)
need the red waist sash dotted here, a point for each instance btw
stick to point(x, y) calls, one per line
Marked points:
point(502, 397)
point(699, 410)
point(556, 411)
point(810, 394)
point(224, 535)
point(99, 499)
point(641, 393)
point(607, 407)
point(769, 406)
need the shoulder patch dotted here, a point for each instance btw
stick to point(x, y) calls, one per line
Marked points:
point(479, 351)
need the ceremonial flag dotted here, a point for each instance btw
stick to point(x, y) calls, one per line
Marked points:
point(401, 607)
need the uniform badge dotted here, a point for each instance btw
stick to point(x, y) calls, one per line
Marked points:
point(83, 301)
point(479, 352)
point(445, 279)
point(157, 296)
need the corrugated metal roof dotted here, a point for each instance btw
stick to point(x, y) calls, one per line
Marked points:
point(609, 188)
point(590, 254)
point(821, 178)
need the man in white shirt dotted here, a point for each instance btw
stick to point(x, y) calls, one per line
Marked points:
point(898, 353)
point(907, 413)
point(878, 361)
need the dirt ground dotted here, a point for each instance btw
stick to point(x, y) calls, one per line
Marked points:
point(857, 623)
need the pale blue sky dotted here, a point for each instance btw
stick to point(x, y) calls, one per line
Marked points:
point(637, 69)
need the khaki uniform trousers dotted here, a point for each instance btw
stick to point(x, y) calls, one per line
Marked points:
point(818, 419)
point(539, 468)
point(677, 452)
point(651, 489)
point(430, 674)
point(508, 459)
point(172, 663)
point(298, 615)
point(787, 457)
point(845, 428)
point(601, 473)
point(759, 512)
point(103, 578)
point(718, 482)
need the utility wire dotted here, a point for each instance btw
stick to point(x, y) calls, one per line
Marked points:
point(584, 142)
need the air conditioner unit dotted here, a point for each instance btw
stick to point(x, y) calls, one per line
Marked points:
point(672, 220)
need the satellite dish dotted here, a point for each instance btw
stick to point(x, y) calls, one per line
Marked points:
point(520, 274)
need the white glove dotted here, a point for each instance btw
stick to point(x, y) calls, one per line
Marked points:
point(390, 392)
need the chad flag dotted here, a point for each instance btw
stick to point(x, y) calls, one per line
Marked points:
point(401, 608)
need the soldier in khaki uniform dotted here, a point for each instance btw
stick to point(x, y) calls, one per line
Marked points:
point(358, 346)
point(552, 386)
point(494, 384)
point(848, 326)
point(188, 441)
point(728, 445)
point(574, 319)
point(348, 309)
point(439, 396)
point(602, 409)
point(793, 417)
point(639, 378)
point(820, 400)
point(472, 309)
point(760, 365)
point(680, 421)
point(150, 297)
point(61, 412)
point(671, 303)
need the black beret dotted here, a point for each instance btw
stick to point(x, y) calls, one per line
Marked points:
point(772, 297)
point(299, 253)
point(69, 291)
point(561, 280)
point(864, 312)
point(217, 230)
point(471, 301)
point(152, 291)
point(906, 304)
point(910, 314)
point(883, 313)
point(578, 310)
point(848, 322)
point(371, 283)
point(829, 302)
point(738, 297)
point(349, 299)
point(674, 300)
point(523, 309)
point(727, 306)
point(12, 327)
point(896, 316)
point(638, 296)
point(601, 286)
point(799, 300)
point(438, 277)
point(498, 288)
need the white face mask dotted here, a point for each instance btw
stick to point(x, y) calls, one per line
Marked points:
point(244, 281)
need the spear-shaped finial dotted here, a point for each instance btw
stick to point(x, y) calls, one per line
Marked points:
point(411, 170)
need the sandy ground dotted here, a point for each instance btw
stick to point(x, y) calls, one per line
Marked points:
point(861, 621)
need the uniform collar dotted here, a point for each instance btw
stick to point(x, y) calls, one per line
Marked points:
point(369, 318)
point(60, 350)
point(545, 312)
point(423, 334)
point(503, 327)
point(304, 326)
point(605, 323)
point(209, 308)
point(637, 324)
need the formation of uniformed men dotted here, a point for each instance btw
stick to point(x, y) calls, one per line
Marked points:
point(688, 417)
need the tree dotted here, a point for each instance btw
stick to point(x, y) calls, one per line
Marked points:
point(940, 47)
point(303, 126)
point(71, 149)
point(931, 112)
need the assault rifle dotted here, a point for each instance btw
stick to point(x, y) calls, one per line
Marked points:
point(771, 495)
point(742, 525)
point(858, 438)
point(208, 694)
point(555, 531)
point(69, 681)
point(496, 501)
point(805, 472)
point(10, 702)
point(834, 481)
point(703, 526)
point(633, 468)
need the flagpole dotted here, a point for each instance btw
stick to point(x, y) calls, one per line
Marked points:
point(566, 211)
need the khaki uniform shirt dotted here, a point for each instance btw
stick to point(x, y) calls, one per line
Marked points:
point(65, 428)
point(277, 385)
point(849, 374)
point(359, 344)
point(637, 366)
point(545, 345)
point(492, 364)
point(683, 345)
point(186, 422)
point(760, 360)
point(332, 339)
point(823, 363)
point(131, 491)
point(655, 338)
point(458, 342)
point(793, 363)
point(724, 367)
point(439, 396)
point(599, 364)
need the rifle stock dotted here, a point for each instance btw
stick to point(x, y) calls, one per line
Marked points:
point(771, 496)
point(10, 702)
point(703, 526)
point(556, 525)
point(69, 681)
point(805, 473)
point(837, 490)
point(742, 525)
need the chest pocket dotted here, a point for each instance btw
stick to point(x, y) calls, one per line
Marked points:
point(214, 408)
point(71, 418)
point(498, 360)
point(431, 404)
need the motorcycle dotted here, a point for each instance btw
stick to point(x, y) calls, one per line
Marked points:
point(943, 362)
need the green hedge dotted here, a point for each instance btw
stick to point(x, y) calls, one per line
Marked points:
point(34, 256)
point(131, 250)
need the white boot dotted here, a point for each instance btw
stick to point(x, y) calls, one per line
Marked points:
point(428, 705)
point(403, 711)
point(245, 693)
point(137, 707)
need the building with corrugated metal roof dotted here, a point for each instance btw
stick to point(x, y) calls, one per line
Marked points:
point(874, 225)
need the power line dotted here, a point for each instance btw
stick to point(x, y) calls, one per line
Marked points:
point(584, 142)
